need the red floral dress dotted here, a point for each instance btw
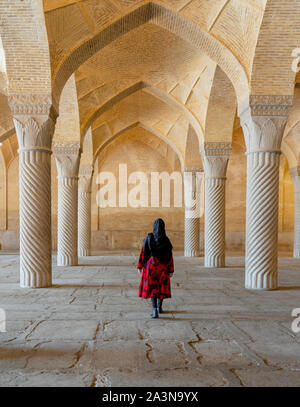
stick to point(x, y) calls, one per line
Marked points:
point(155, 279)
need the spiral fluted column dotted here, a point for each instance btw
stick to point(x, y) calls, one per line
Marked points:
point(34, 132)
point(295, 174)
point(215, 159)
point(67, 160)
point(263, 135)
point(192, 185)
point(84, 211)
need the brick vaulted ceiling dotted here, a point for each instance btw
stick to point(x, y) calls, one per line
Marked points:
point(234, 22)
point(150, 58)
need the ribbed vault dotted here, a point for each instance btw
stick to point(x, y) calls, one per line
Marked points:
point(71, 48)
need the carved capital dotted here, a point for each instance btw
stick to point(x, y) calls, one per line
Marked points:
point(192, 179)
point(32, 104)
point(85, 178)
point(215, 158)
point(215, 166)
point(215, 148)
point(67, 159)
point(86, 170)
point(34, 133)
point(263, 133)
point(192, 190)
point(66, 148)
point(192, 169)
point(85, 183)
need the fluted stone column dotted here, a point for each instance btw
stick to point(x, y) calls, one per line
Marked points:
point(84, 211)
point(295, 174)
point(263, 128)
point(215, 160)
point(192, 184)
point(34, 126)
point(67, 160)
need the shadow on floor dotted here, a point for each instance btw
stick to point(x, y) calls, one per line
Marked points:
point(242, 266)
point(282, 288)
point(102, 286)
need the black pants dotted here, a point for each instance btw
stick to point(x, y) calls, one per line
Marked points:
point(154, 302)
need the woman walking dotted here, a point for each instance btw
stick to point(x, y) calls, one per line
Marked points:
point(156, 267)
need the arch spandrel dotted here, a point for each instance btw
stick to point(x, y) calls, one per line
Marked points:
point(290, 145)
point(278, 36)
point(192, 157)
point(221, 111)
point(67, 129)
point(31, 39)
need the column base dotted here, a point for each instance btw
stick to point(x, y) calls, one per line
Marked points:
point(263, 283)
point(63, 260)
point(214, 262)
point(260, 289)
point(191, 253)
point(296, 254)
point(84, 252)
point(30, 280)
point(36, 286)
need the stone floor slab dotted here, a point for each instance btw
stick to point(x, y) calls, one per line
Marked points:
point(91, 329)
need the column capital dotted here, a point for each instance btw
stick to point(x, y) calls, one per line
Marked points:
point(192, 169)
point(84, 184)
point(192, 178)
point(264, 120)
point(192, 189)
point(34, 119)
point(24, 105)
point(85, 178)
point(215, 158)
point(215, 167)
point(86, 170)
point(34, 133)
point(216, 148)
point(67, 158)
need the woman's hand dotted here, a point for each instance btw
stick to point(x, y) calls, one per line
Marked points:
point(171, 275)
point(140, 271)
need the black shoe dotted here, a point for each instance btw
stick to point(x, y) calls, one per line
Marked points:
point(159, 306)
point(154, 313)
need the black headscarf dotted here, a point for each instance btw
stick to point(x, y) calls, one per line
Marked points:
point(157, 244)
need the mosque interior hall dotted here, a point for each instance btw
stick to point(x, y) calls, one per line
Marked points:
point(114, 113)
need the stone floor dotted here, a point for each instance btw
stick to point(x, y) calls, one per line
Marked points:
point(90, 329)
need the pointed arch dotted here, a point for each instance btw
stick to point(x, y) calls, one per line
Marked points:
point(154, 91)
point(169, 20)
point(146, 127)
